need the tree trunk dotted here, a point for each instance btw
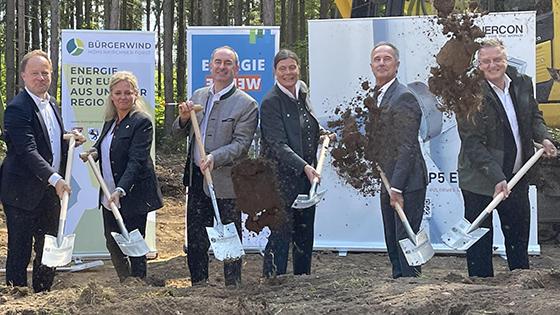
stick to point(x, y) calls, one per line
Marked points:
point(168, 8)
point(269, 15)
point(302, 20)
point(10, 49)
point(238, 12)
point(291, 23)
point(223, 14)
point(35, 27)
point(55, 20)
point(21, 36)
point(148, 13)
point(87, 15)
point(106, 14)
point(44, 28)
point(207, 17)
point(283, 27)
point(181, 51)
point(324, 9)
point(248, 6)
point(80, 14)
point(158, 26)
point(114, 22)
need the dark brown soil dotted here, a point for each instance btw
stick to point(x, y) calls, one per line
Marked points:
point(455, 81)
point(256, 187)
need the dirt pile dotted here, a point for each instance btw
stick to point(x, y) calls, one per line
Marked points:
point(355, 154)
point(455, 81)
point(257, 191)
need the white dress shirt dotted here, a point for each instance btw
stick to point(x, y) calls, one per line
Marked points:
point(214, 97)
point(54, 133)
point(287, 92)
point(107, 170)
point(507, 103)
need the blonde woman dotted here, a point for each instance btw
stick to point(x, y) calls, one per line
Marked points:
point(124, 157)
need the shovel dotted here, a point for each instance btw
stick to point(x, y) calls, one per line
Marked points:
point(225, 242)
point(464, 234)
point(417, 248)
point(305, 201)
point(131, 244)
point(57, 251)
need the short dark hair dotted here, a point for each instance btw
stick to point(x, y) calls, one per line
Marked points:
point(395, 49)
point(285, 54)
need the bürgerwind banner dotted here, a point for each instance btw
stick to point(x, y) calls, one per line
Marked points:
point(89, 58)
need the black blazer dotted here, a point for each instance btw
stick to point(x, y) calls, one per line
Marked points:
point(400, 155)
point(132, 165)
point(27, 167)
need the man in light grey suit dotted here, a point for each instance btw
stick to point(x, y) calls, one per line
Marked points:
point(395, 147)
point(227, 125)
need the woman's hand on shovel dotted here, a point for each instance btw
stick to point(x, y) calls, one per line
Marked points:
point(550, 150)
point(311, 173)
point(116, 198)
point(501, 187)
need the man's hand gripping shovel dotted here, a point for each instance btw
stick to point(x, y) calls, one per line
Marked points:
point(417, 248)
point(464, 234)
point(57, 250)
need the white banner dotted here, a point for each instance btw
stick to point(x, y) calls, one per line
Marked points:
point(339, 58)
point(89, 58)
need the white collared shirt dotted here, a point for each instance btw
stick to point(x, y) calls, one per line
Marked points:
point(507, 103)
point(107, 170)
point(384, 89)
point(214, 97)
point(287, 92)
point(54, 133)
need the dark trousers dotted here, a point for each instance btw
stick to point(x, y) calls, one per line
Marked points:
point(200, 215)
point(124, 266)
point(27, 229)
point(297, 230)
point(394, 229)
point(515, 216)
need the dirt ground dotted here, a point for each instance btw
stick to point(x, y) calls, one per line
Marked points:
point(355, 284)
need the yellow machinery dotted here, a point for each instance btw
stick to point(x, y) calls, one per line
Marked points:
point(548, 37)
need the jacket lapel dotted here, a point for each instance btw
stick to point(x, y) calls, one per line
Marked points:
point(388, 94)
point(41, 120)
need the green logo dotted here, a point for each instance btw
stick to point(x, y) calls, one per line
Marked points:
point(75, 46)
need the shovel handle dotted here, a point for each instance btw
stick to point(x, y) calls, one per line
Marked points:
point(207, 174)
point(107, 194)
point(398, 208)
point(499, 197)
point(323, 153)
point(68, 178)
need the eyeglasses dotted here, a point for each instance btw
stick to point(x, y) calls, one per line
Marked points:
point(496, 61)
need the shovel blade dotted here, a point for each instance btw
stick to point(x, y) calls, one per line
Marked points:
point(134, 246)
point(419, 254)
point(458, 238)
point(57, 255)
point(226, 244)
point(303, 201)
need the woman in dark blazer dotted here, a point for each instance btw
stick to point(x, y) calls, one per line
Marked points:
point(290, 137)
point(127, 167)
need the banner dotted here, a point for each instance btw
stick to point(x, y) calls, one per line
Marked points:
point(339, 60)
point(256, 48)
point(89, 58)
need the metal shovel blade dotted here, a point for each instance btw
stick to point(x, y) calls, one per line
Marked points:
point(419, 254)
point(55, 255)
point(458, 238)
point(303, 201)
point(134, 245)
point(226, 244)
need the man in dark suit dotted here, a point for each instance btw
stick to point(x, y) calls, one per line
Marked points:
point(31, 182)
point(496, 140)
point(397, 150)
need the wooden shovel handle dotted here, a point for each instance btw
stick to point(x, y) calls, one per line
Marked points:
point(68, 179)
point(198, 140)
point(104, 187)
point(323, 153)
point(387, 185)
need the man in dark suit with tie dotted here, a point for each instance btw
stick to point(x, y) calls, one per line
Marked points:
point(496, 140)
point(394, 146)
point(31, 181)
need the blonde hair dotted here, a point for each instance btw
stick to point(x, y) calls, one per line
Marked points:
point(137, 106)
point(491, 43)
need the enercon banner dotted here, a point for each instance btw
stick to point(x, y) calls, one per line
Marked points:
point(339, 58)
